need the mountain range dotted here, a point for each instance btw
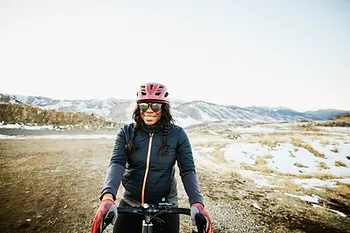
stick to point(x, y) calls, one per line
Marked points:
point(185, 113)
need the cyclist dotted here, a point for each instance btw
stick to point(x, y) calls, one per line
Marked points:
point(143, 160)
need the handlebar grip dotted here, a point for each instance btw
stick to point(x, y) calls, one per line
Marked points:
point(126, 210)
point(201, 222)
point(185, 211)
point(107, 219)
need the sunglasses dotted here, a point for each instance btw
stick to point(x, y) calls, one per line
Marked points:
point(156, 107)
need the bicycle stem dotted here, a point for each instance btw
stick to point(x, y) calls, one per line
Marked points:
point(147, 225)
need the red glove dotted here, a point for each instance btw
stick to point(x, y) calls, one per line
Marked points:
point(199, 208)
point(105, 206)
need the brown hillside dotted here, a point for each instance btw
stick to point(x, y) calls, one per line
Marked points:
point(344, 117)
point(27, 115)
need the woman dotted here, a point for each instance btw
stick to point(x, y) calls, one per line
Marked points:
point(143, 160)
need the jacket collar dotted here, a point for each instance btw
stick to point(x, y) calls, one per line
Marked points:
point(151, 128)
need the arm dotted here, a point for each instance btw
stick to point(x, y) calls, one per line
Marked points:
point(116, 167)
point(187, 169)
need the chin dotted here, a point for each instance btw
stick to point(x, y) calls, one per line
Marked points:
point(150, 122)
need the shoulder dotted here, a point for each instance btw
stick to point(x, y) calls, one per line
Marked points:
point(127, 128)
point(176, 129)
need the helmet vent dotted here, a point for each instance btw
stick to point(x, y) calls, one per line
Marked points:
point(166, 94)
point(151, 86)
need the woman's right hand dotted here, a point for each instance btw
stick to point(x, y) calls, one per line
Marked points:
point(107, 204)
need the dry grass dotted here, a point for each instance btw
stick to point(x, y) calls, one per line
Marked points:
point(261, 169)
point(300, 165)
point(289, 185)
point(235, 174)
point(296, 142)
point(343, 189)
point(340, 164)
point(306, 146)
point(345, 117)
point(313, 151)
point(322, 165)
point(310, 128)
point(205, 144)
point(219, 156)
point(266, 170)
point(335, 150)
point(340, 190)
point(217, 153)
point(247, 167)
point(320, 176)
point(324, 142)
point(269, 143)
point(260, 161)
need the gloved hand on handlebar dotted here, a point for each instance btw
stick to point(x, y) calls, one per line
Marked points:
point(106, 206)
point(199, 208)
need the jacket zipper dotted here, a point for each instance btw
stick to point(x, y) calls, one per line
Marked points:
point(147, 169)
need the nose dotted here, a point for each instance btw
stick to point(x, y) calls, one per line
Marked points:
point(149, 108)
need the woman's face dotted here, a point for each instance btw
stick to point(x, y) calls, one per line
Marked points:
point(150, 112)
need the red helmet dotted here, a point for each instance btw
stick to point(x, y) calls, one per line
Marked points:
point(154, 92)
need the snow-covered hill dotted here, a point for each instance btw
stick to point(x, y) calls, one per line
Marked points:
point(185, 113)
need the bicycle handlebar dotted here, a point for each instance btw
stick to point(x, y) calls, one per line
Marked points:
point(153, 210)
point(150, 211)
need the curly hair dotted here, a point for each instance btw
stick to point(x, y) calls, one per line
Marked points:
point(166, 120)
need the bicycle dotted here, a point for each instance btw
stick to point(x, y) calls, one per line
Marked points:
point(151, 212)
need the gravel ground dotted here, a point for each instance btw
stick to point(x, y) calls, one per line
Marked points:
point(53, 185)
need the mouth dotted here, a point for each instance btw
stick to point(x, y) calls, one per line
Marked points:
point(148, 117)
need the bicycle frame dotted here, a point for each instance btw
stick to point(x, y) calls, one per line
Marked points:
point(149, 212)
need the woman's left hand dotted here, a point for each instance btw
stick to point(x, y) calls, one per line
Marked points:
point(199, 208)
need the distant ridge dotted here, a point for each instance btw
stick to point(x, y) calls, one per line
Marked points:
point(185, 113)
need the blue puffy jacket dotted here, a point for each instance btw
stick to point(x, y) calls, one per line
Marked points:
point(146, 176)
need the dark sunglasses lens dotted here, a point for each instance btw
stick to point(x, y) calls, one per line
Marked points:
point(143, 107)
point(156, 107)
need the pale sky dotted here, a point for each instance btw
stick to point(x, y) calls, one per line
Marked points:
point(264, 53)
